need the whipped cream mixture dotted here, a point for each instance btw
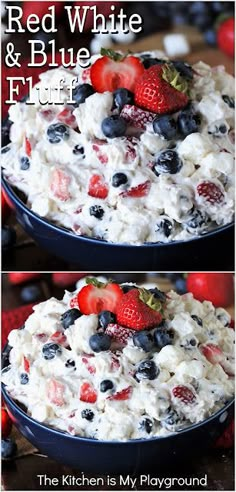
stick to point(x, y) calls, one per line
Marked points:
point(55, 172)
point(124, 392)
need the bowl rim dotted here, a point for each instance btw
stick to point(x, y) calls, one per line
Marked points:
point(91, 440)
point(60, 229)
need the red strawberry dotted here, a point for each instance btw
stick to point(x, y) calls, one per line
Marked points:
point(153, 92)
point(89, 366)
point(5, 207)
point(40, 9)
point(102, 156)
point(97, 187)
point(59, 185)
point(137, 117)
point(115, 363)
point(225, 36)
point(74, 303)
point(86, 76)
point(113, 71)
point(138, 191)
point(226, 440)
point(184, 394)
point(212, 353)
point(88, 393)
point(14, 318)
point(59, 337)
point(67, 117)
point(134, 312)
point(55, 391)
point(47, 114)
point(64, 279)
point(119, 333)
point(232, 324)
point(215, 287)
point(6, 423)
point(96, 297)
point(16, 278)
point(124, 394)
point(210, 192)
point(26, 364)
point(27, 147)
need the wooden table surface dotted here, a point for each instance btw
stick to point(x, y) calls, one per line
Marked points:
point(27, 255)
point(21, 474)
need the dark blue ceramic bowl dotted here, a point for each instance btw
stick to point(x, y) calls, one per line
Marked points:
point(114, 457)
point(212, 251)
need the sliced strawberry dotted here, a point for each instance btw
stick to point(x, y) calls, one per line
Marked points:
point(67, 117)
point(137, 191)
point(86, 76)
point(74, 303)
point(131, 153)
point(6, 423)
point(91, 369)
point(210, 192)
point(55, 391)
point(47, 114)
point(59, 337)
point(212, 353)
point(109, 74)
point(97, 187)
point(184, 394)
point(124, 394)
point(88, 393)
point(102, 156)
point(115, 364)
point(137, 117)
point(26, 364)
point(97, 297)
point(232, 324)
point(119, 333)
point(59, 185)
point(28, 148)
point(16, 278)
point(42, 337)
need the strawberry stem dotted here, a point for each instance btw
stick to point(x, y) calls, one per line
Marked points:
point(95, 282)
point(149, 299)
point(173, 77)
point(113, 55)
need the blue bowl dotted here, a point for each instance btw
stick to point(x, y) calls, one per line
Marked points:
point(211, 251)
point(115, 457)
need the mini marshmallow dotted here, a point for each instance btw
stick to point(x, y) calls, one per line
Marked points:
point(176, 45)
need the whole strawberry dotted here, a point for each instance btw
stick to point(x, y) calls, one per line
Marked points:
point(161, 89)
point(138, 309)
point(225, 36)
point(215, 287)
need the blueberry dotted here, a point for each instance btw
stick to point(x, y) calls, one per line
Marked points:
point(78, 150)
point(57, 132)
point(158, 294)
point(147, 369)
point(24, 163)
point(8, 448)
point(70, 363)
point(4, 150)
point(8, 237)
point(171, 418)
point(122, 97)
point(165, 126)
point(30, 293)
point(99, 342)
point(105, 318)
point(210, 37)
point(114, 126)
point(24, 378)
point(228, 100)
point(50, 350)
point(164, 226)
point(188, 122)
point(162, 338)
point(196, 220)
point(126, 288)
point(180, 286)
point(167, 161)
point(81, 92)
point(144, 340)
point(119, 179)
point(147, 425)
point(96, 211)
point(68, 318)
point(106, 385)
point(150, 62)
point(184, 69)
point(197, 319)
point(87, 414)
point(223, 129)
